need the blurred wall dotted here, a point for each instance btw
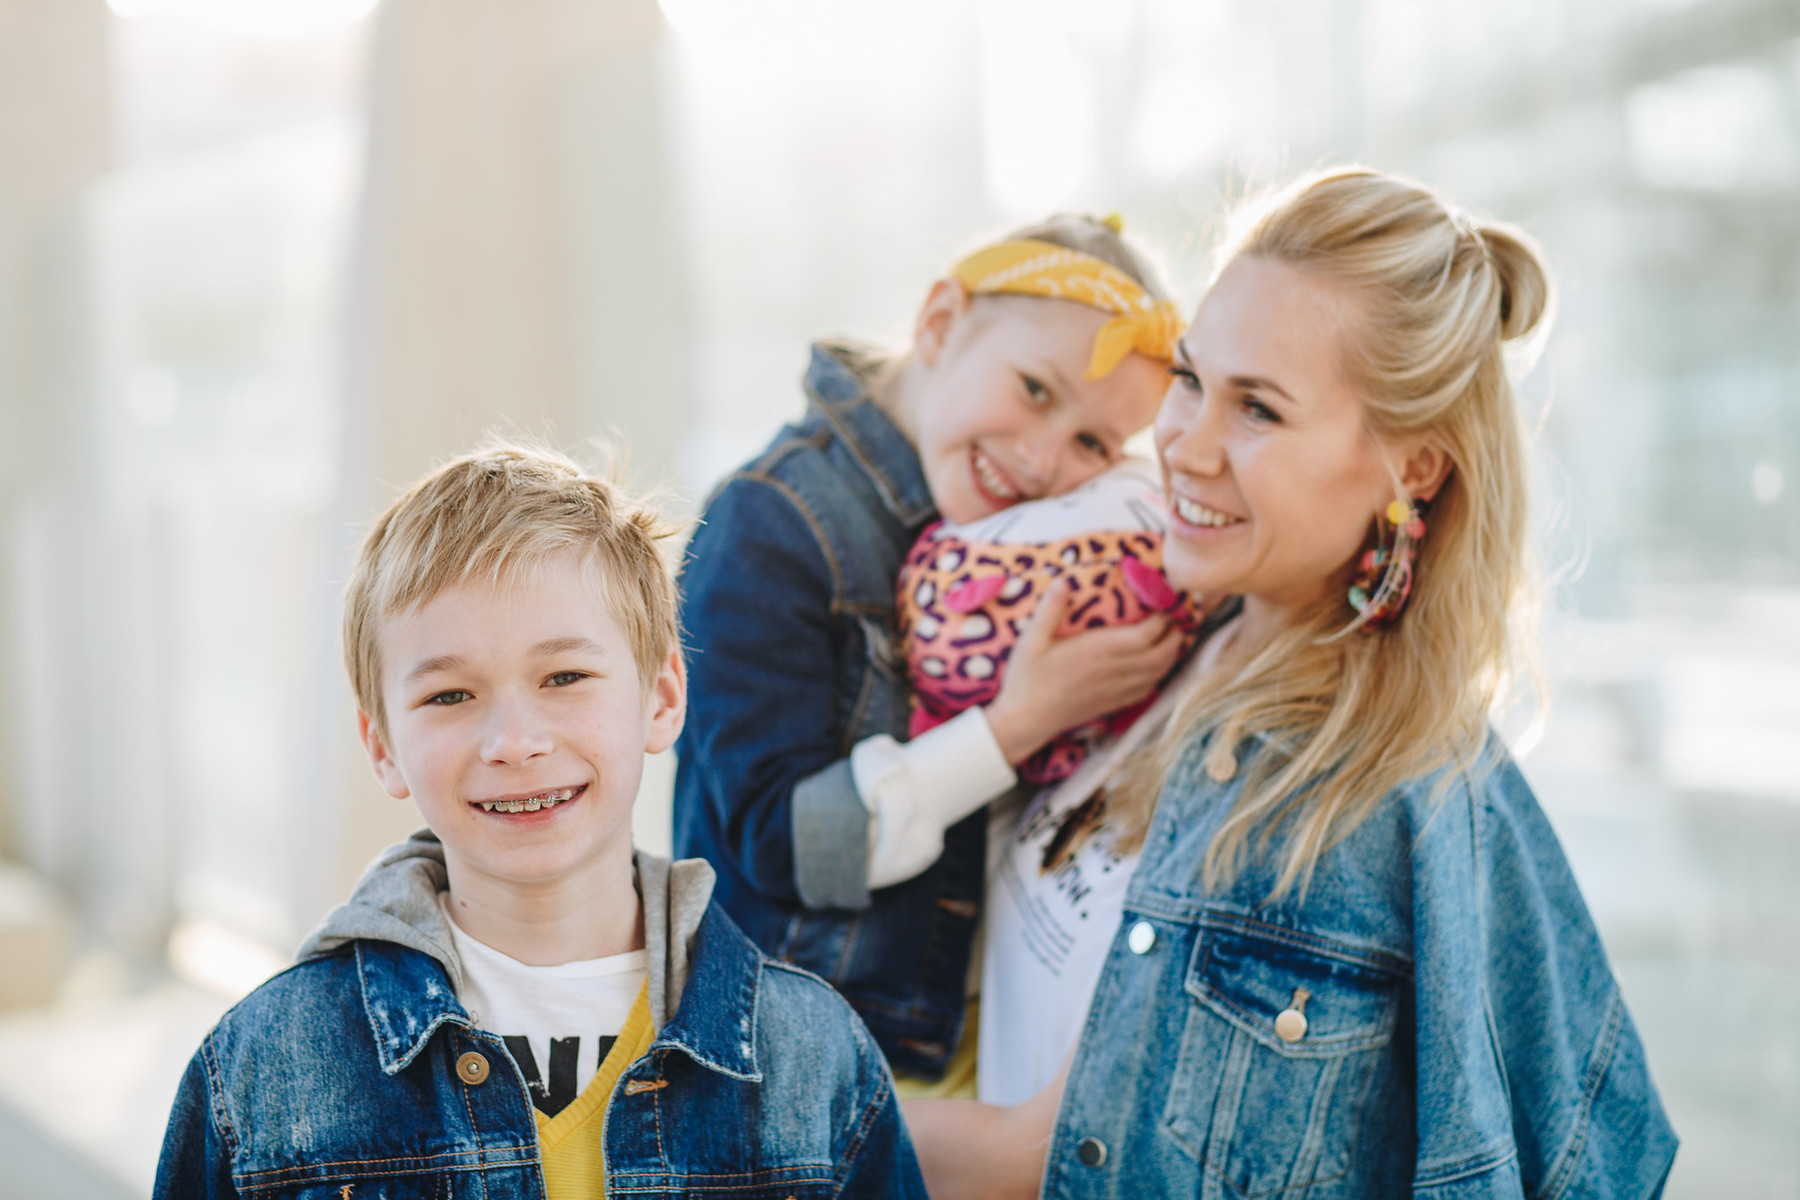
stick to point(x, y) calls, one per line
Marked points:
point(55, 139)
point(518, 270)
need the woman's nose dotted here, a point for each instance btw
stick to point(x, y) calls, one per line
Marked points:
point(1193, 442)
point(514, 734)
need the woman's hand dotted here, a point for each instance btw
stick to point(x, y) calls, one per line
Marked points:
point(974, 1151)
point(1055, 683)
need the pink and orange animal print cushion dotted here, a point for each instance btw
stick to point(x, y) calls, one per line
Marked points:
point(965, 592)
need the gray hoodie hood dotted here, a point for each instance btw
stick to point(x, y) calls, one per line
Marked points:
point(396, 900)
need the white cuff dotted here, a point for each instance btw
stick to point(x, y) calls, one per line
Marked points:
point(915, 791)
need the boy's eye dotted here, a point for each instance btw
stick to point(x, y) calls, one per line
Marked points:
point(446, 699)
point(1037, 391)
point(1093, 445)
point(1188, 379)
point(565, 678)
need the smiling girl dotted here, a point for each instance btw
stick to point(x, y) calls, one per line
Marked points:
point(839, 845)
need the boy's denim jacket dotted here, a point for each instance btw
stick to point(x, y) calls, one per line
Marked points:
point(788, 605)
point(340, 1076)
point(1464, 1036)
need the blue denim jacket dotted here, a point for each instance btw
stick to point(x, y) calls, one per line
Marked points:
point(787, 599)
point(1464, 1035)
point(339, 1077)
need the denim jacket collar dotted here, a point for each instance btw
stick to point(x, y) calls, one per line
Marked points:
point(716, 1023)
point(406, 995)
point(892, 463)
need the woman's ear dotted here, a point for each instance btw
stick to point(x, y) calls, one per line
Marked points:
point(943, 308)
point(1424, 468)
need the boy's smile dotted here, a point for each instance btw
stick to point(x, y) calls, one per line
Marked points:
point(518, 723)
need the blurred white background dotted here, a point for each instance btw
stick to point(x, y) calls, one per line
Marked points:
point(263, 260)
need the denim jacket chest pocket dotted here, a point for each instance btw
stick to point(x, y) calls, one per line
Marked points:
point(1261, 1112)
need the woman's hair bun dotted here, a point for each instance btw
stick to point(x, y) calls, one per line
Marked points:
point(1525, 294)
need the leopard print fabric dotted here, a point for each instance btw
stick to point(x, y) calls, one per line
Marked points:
point(962, 604)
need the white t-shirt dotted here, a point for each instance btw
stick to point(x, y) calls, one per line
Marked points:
point(559, 1021)
point(1048, 931)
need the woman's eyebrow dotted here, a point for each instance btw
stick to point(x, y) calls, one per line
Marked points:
point(1257, 383)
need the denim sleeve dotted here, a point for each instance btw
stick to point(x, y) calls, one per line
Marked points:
point(763, 733)
point(1541, 1016)
point(196, 1161)
point(882, 1162)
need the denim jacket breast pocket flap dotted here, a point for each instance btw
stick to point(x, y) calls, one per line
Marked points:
point(1251, 979)
point(1259, 1111)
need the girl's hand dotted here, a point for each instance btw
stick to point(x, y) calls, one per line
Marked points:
point(1056, 683)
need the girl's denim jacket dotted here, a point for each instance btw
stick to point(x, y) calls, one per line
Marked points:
point(357, 1074)
point(787, 600)
point(1463, 1036)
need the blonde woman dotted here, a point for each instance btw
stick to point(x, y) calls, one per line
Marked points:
point(1351, 960)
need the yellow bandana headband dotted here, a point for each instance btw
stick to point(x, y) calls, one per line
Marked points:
point(1030, 268)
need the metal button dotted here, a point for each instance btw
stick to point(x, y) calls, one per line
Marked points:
point(472, 1068)
point(1290, 1022)
point(1140, 939)
point(1091, 1151)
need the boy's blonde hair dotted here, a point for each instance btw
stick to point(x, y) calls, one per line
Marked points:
point(491, 516)
point(1438, 295)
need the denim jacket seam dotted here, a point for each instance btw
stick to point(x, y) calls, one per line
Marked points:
point(1377, 958)
point(793, 497)
point(219, 1109)
point(871, 1113)
point(1466, 1167)
point(1563, 1173)
point(427, 1162)
point(883, 485)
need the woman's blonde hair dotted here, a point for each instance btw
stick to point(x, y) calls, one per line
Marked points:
point(1347, 719)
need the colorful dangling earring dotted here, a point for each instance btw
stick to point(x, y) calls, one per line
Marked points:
point(1384, 575)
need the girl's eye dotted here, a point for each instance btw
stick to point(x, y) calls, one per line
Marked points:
point(446, 699)
point(1040, 395)
point(1093, 445)
point(565, 678)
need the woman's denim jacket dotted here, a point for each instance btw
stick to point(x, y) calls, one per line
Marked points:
point(787, 600)
point(340, 1078)
point(1463, 1036)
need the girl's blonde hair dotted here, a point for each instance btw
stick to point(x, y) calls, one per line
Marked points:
point(873, 362)
point(1345, 720)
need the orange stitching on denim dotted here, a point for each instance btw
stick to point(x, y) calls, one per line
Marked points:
point(427, 1161)
point(634, 1086)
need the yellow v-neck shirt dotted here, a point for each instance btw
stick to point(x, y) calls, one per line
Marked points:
point(573, 1142)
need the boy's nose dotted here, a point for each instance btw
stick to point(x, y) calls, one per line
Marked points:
point(514, 735)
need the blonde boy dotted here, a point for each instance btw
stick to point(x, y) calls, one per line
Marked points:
point(513, 1003)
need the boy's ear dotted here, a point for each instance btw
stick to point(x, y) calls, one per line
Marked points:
point(943, 307)
point(387, 771)
point(667, 704)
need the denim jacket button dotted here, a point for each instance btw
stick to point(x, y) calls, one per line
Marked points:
point(472, 1068)
point(1091, 1151)
point(1140, 939)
